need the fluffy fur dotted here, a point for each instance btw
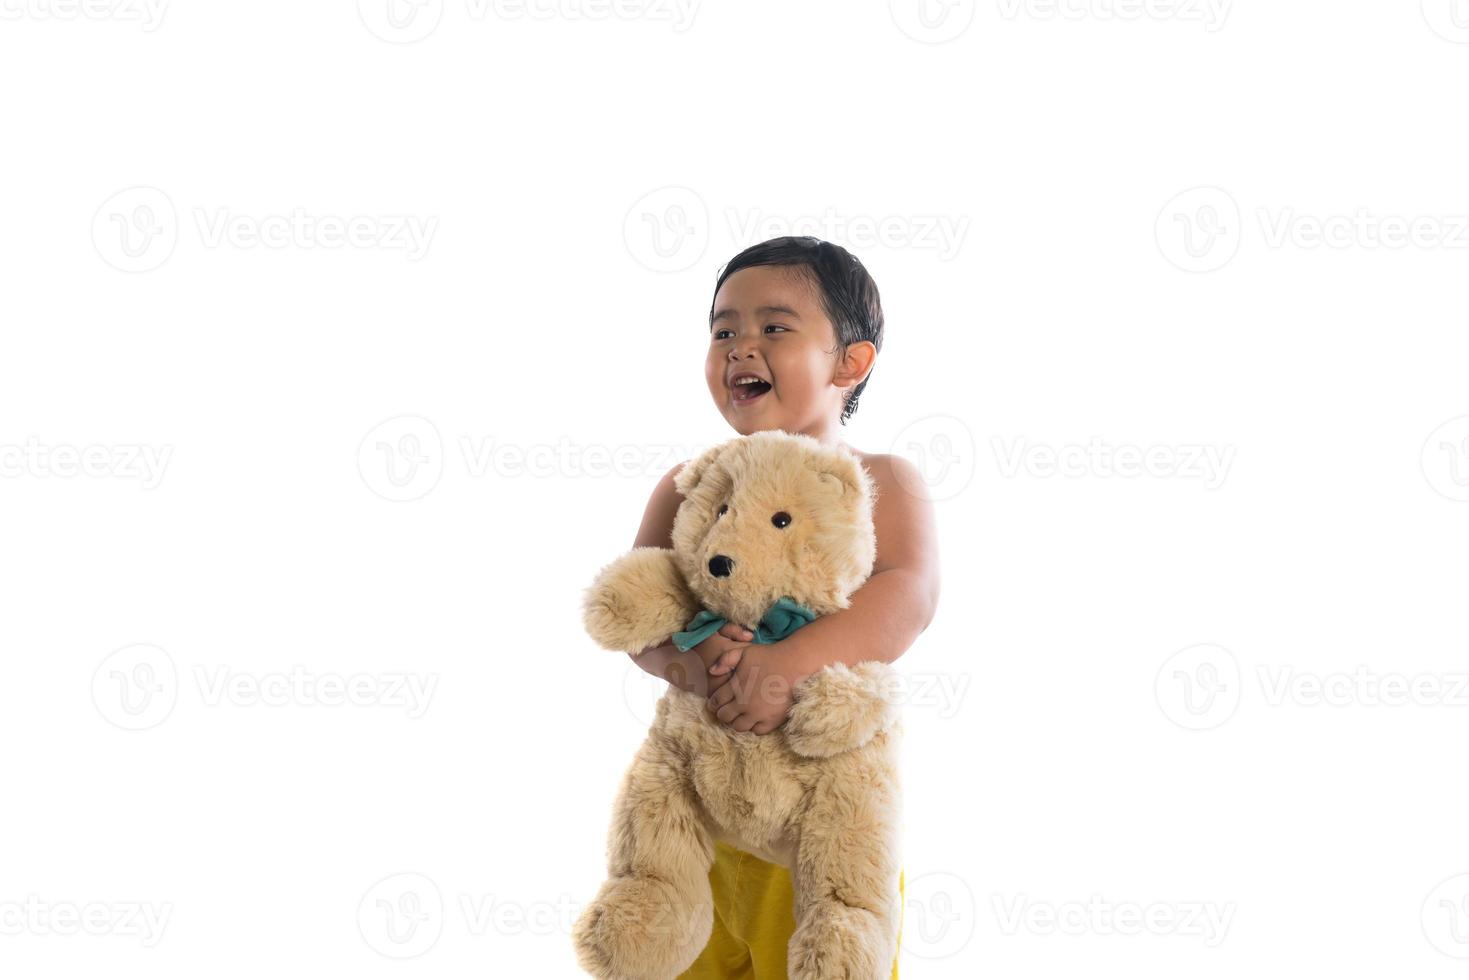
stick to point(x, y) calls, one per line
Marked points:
point(820, 794)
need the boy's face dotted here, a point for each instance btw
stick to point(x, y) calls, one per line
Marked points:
point(768, 322)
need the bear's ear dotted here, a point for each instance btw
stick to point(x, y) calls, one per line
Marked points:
point(845, 473)
point(695, 469)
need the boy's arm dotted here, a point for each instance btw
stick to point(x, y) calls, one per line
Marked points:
point(898, 601)
point(885, 616)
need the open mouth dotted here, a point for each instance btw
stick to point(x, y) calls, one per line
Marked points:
point(749, 391)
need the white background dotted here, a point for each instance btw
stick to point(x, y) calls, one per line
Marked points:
point(1118, 710)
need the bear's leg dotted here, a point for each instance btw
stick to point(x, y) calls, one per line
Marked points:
point(845, 878)
point(655, 912)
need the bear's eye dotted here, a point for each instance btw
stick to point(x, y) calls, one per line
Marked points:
point(722, 509)
point(780, 518)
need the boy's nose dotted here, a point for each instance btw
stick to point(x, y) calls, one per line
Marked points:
point(720, 566)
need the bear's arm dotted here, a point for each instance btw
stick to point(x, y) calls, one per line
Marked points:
point(638, 601)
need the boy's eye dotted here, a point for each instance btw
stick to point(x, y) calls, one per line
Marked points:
point(780, 518)
point(719, 334)
point(774, 326)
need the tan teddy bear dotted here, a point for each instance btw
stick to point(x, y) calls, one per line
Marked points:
point(774, 528)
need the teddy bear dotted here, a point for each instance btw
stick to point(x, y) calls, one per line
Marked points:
point(775, 529)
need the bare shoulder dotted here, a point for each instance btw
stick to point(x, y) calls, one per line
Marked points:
point(902, 517)
point(893, 474)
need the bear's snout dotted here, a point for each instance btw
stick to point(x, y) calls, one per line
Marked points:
point(721, 565)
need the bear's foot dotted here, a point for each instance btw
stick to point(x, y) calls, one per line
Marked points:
point(640, 928)
point(840, 942)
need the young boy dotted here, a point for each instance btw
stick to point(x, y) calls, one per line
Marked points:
point(803, 319)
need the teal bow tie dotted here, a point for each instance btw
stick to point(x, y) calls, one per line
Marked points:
point(779, 622)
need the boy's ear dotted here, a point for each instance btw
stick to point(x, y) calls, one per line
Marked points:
point(694, 470)
point(857, 363)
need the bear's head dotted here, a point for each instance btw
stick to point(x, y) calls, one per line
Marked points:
point(774, 514)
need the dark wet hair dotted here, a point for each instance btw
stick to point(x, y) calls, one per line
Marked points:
point(848, 295)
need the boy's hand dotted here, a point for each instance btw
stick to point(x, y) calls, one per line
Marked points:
point(754, 695)
point(731, 638)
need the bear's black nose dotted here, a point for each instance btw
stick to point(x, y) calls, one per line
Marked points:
point(721, 565)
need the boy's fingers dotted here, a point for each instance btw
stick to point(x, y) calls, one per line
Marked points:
point(727, 661)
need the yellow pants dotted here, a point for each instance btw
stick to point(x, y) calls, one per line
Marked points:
point(753, 920)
